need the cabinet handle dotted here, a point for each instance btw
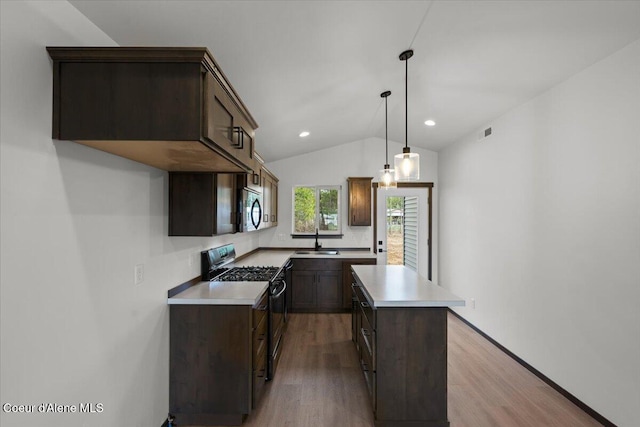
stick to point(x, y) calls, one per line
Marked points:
point(364, 304)
point(261, 373)
point(273, 218)
point(365, 332)
point(262, 307)
point(354, 218)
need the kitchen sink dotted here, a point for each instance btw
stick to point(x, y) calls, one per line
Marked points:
point(318, 252)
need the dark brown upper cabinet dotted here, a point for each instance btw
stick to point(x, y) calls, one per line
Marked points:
point(202, 204)
point(359, 201)
point(269, 198)
point(171, 108)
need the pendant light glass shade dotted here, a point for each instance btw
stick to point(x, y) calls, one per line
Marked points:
point(387, 176)
point(406, 164)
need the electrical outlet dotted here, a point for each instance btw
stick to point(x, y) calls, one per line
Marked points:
point(281, 237)
point(139, 274)
point(473, 303)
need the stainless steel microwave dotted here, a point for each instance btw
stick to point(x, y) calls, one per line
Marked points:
point(251, 210)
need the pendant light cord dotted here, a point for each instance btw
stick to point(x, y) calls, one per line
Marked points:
point(385, 94)
point(406, 103)
point(405, 56)
point(386, 131)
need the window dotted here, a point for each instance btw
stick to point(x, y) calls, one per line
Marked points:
point(316, 207)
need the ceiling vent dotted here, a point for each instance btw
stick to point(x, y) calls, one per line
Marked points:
point(485, 133)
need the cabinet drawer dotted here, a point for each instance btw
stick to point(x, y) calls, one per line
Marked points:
point(317, 264)
point(260, 310)
point(370, 377)
point(365, 305)
point(260, 344)
point(368, 340)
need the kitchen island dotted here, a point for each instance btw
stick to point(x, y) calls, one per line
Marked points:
point(399, 328)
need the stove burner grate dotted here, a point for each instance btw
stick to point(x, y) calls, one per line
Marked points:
point(247, 274)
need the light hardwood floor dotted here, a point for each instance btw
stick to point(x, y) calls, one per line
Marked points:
point(319, 383)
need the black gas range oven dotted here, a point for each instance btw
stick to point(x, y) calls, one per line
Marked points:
point(217, 266)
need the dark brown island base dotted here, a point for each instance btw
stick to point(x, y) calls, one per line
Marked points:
point(399, 327)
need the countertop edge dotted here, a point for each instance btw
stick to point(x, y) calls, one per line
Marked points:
point(445, 299)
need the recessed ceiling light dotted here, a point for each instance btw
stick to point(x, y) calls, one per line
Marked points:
point(303, 134)
point(430, 123)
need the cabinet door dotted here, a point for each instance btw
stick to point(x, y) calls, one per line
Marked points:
point(191, 204)
point(266, 200)
point(360, 201)
point(224, 125)
point(274, 203)
point(218, 126)
point(225, 204)
point(201, 204)
point(329, 289)
point(303, 292)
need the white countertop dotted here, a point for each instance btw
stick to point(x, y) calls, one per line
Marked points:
point(277, 257)
point(248, 293)
point(399, 286)
point(221, 293)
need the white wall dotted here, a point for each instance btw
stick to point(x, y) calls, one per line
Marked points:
point(74, 223)
point(540, 223)
point(332, 166)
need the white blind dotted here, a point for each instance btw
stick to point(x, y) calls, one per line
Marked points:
point(410, 232)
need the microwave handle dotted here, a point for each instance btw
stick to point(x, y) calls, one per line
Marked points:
point(259, 213)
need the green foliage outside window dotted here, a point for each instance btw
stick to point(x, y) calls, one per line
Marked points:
point(328, 219)
point(316, 207)
point(304, 209)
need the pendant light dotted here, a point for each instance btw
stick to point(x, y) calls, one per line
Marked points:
point(407, 164)
point(387, 179)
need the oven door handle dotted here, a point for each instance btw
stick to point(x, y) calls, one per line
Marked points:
point(284, 288)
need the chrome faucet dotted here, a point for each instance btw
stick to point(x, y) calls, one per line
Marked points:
point(318, 245)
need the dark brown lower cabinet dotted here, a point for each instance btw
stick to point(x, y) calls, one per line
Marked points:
point(403, 356)
point(316, 286)
point(322, 285)
point(217, 362)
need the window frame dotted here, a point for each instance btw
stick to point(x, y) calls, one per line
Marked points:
point(317, 189)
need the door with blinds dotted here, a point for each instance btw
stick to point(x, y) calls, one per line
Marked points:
point(402, 218)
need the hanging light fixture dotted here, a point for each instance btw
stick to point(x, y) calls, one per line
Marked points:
point(407, 164)
point(387, 179)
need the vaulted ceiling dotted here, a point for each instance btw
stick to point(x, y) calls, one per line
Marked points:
point(320, 66)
